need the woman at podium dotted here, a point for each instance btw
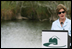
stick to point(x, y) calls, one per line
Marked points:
point(62, 23)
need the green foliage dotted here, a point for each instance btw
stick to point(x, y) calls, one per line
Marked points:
point(36, 9)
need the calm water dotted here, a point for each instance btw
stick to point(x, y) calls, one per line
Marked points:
point(23, 33)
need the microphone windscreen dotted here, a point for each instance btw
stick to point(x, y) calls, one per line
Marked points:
point(61, 22)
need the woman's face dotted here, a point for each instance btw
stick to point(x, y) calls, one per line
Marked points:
point(61, 13)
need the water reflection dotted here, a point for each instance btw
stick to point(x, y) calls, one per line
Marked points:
point(23, 33)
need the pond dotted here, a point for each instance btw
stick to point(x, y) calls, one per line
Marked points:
point(23, 33)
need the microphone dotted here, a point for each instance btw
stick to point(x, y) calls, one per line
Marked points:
point(62, 25)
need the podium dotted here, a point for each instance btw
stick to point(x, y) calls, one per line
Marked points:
point(55, 39)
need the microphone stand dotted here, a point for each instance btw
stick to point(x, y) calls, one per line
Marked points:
point(62, 25)
point(69, 38)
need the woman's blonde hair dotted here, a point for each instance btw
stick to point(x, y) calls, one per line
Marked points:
point(60, 6)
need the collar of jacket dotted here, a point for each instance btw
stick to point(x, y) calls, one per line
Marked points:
point(65, 23)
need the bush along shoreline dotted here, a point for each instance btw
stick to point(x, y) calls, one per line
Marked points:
point(32, 10)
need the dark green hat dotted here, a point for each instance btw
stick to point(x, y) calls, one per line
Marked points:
point(52, 40)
